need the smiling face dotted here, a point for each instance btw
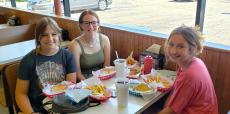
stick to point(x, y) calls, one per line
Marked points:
point(90, 24)
point(49, 39)
point(178, 50)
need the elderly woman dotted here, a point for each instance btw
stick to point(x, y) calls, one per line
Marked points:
point(36, 67)
point(92, 48)
point(193, 91)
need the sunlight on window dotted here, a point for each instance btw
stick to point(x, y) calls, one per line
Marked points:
point(42, 6)
point(216, 23)
point(151, 15)
point(5, 3)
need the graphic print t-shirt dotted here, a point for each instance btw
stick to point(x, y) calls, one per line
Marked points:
point(50, 72)
point(41, 70)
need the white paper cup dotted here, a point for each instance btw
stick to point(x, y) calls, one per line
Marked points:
point(122, 88)
point(120, 67)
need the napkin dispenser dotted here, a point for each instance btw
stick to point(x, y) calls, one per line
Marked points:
point(155, 51)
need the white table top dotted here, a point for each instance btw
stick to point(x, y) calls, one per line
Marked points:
point(3, 26)
point(15, 51)
point(136, 105)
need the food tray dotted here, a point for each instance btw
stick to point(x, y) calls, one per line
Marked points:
point(134, 73)
point(102, 98)
point(133, 65)
point(105, 76)
point(139, 93)
point(48, 89)
point(135, 93)
point(158, 84)
point(134, 76)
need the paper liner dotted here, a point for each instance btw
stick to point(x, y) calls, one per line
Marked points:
point(101, 76)
point(159, 85)
point(47, 90)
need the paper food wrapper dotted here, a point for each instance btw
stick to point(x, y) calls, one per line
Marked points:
point(77, 94)
point(89, 82)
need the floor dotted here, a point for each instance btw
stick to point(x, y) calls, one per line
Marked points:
point(3, 108)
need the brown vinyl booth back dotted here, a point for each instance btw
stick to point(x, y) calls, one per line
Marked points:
point(10, 74)
point(14, 34)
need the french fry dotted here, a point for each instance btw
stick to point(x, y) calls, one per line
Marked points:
point(97, 89)
point(130, 60)
point(158, 79)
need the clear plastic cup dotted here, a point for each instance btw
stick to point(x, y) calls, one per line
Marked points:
point(120, 67)
point(122, 88)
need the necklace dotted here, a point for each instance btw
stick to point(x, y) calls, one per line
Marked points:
point(91, 45)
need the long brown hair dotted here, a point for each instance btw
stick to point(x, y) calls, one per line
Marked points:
point(41, 27)
point(90, 12)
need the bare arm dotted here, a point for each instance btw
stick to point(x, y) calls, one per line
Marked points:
point(75, 49)
point(107, 50)
point(72, 77)
point(167, 110)
point(21, 96)
point(168, 98)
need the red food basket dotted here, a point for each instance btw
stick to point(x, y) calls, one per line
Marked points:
point(47, 90)
point(161, 89)
point(107, 76)
point(98, 73)
point(102, 98)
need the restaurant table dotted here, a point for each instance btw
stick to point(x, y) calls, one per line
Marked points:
point(14, 52)
point(3, 26)
point(136, 105)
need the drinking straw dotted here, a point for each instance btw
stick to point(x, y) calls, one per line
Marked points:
point(117, 55)
point(131, 54)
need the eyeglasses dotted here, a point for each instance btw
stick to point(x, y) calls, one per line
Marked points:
point(94, 23)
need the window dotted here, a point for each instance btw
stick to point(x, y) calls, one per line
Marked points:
point(216, 23)
point(42, 6)
point(22, 4)
point(152, 15)
point(5, 3)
